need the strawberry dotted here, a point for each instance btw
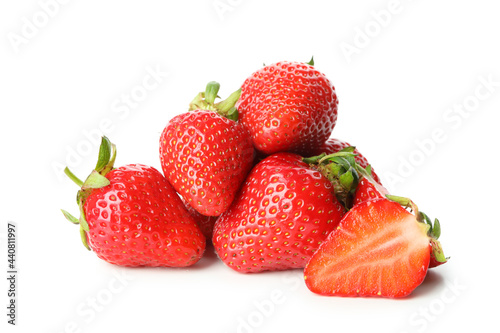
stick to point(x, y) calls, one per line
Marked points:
point(131, 216)
point(282, 213)
point(332, 146)
point(206, 156)
point(342, 171)
point(368, 189)
point(288, 106)
point(352, 183)
point(378, 249)
point(206, 223)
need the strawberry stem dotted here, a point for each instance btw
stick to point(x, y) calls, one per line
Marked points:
point(211, 92)
point(206, 101)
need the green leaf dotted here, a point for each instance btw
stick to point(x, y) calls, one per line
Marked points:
point(111, 162)
point(83, 221)
point(95, 180)
point(70, 217)
point(424, 218)
point(436, 230)
point(351, 160)
point(437, 251)
point(311, 62)
point(400, 200)
point(197, 102)
point(331, 157)
point(211, 92)
point(336, 169)
point(104, 154)
point(233, 114)
point(342, 161)
point(349, 149)
point(83, 236)
point(313, 159)
point(347, 180)
point(368, 170)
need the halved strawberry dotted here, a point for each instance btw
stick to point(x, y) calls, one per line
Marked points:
point(378, 249)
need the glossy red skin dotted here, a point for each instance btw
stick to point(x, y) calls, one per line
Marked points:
point(282, 214)
point(378, 249)
point(333, 145)
point(139, 220)
point(366, 190)
point(288, 106)
point(206, 158)
point(206, 223)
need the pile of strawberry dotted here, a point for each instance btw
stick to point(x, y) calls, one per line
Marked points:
point(258, 176)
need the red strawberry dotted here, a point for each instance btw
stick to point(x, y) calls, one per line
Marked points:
point(288, 106)
point(131, 216)
point(282, 213)
point(332, 146)
point(378, 249)
point(352, 182)
point(206, 156)
point(368, 189)
point(206, 223)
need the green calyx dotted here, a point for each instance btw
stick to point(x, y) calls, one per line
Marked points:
point(206, 101)
point(96, 179)
point(342, 170)
point(433, 229)
point(311, 62)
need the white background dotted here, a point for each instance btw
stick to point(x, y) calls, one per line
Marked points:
point(68, 75)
